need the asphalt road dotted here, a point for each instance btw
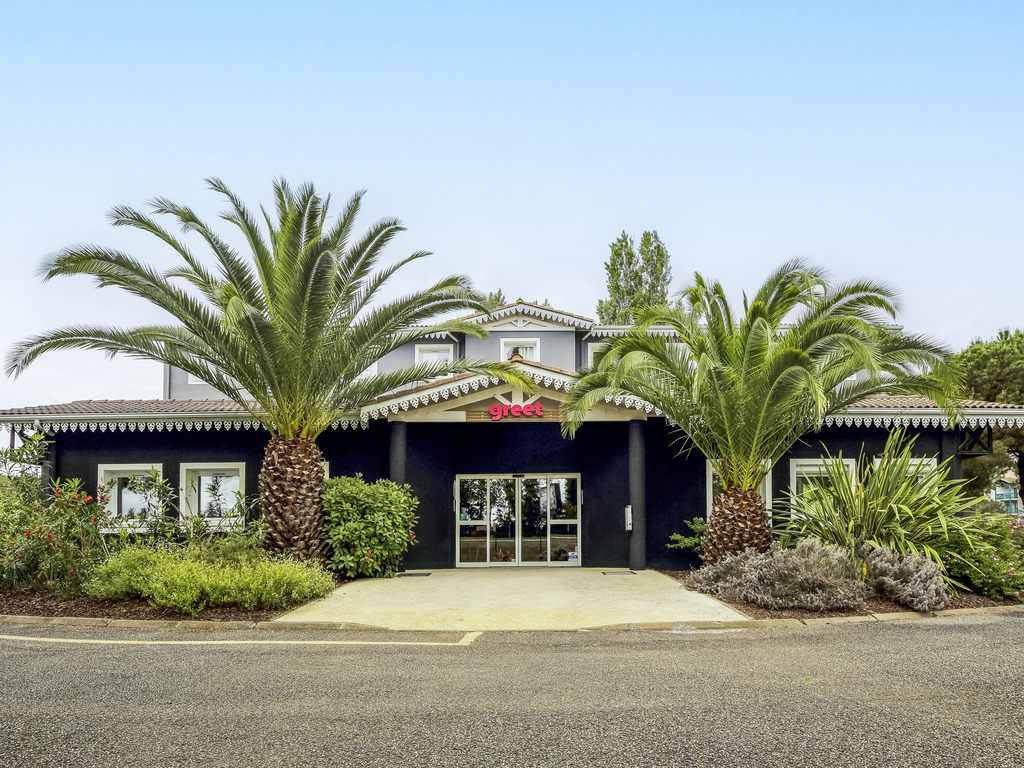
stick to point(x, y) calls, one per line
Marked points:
point(938, 692)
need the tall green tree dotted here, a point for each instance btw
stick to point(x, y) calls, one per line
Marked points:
point(286, 330)
point(637, 278)
point(994, 371)
point(745, 386)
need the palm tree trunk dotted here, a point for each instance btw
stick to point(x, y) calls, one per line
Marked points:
point(739, 521)
point(291, 487)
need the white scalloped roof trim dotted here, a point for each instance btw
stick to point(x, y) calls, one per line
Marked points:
point(170, 425)
point(627, 401)
point(919, 420)
point(622, 331)
point(526, 309)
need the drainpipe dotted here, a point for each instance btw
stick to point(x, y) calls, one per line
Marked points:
point(637, 497)
point(397, 465)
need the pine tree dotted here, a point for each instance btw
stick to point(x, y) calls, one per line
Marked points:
point(636, 278)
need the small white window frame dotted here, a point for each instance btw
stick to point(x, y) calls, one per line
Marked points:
point(421, 348)
point(106, 473)
point(370, 371)
point(765, 488)
point(508, 344)
point(592, 349)
point(816, 468)
point(187, 491)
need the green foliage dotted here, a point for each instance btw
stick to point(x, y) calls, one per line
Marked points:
point(811, 576)
point(994, 370)
point(908, 579)
point(19, 474)
point(994, 568)
point(53, 545)
point(895, 503)
point(695, 540)
point(368, 526)
point(286, 330)
point(191, 579)
point(745, 387)
point(636, 278)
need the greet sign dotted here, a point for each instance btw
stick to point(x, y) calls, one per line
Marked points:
point(499, 411)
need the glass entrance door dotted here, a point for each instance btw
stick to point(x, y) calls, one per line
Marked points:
point(512, 520)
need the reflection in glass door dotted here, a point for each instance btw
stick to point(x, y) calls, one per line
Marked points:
point(517, 520)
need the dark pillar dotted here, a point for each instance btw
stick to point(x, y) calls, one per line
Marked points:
point(47, 473)
point(949, 441)
point(637, 497)
point(397, 467)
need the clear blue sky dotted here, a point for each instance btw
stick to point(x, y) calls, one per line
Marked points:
point(517, 140)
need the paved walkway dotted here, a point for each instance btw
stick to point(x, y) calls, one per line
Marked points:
point(514, 598)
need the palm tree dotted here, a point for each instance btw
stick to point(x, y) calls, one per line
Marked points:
point(287, 331)
point(745, 388)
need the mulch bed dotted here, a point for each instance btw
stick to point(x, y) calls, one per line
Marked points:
point(874, 604)
point(25, 602)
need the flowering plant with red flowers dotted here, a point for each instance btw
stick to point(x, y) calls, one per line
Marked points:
point(53, 543)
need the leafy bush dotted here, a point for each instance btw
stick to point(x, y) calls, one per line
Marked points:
point(190, 579)
point(908, 579)
point(54, 544)
point(995, 568)
point(810, 576)
point(368, 526)
point(895, 503)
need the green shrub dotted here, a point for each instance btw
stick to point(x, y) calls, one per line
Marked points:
point(810, 576)
point(908, 579)
point(894, 504)
point(694, 541)
point(994, 568)
point(368, 526)
point(190, 579)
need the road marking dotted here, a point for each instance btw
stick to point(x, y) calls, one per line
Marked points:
point(466, 639)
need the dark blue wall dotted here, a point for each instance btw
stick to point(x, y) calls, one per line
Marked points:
point(78, 454)
point(436, 452)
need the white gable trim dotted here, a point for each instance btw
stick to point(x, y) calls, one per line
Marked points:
point(559, 319)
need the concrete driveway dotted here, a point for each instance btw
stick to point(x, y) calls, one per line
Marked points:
point(514, 599)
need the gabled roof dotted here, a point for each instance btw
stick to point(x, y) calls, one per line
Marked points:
point(526, 308)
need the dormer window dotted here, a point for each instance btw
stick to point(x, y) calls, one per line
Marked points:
point(434, 354)
point(528, 349)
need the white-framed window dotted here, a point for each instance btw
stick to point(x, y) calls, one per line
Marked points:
point(804, 473)
point(212, 491)
point(713, 483)
point(529, 349)
point(126, 502)
point(593, 349)
point(427, 354)
point(371, 371)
